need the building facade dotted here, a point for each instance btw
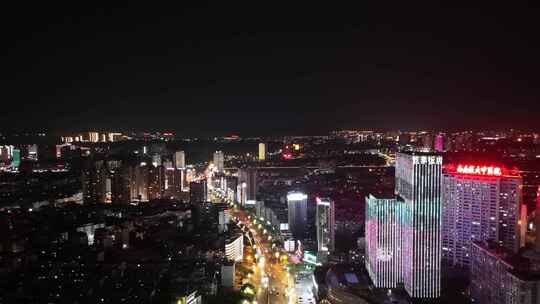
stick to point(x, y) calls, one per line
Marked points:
point(219, 161)
point(234, 248)
point(262, 151)
point(418, 185)
point(384, 241)
point(180, 160)
point(325, 219)
point(479, 205)
point(499, 276)
point(297, 211)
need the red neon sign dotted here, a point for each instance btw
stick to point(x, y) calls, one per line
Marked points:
point(479, 170)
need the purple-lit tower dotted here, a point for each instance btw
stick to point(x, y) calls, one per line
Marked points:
point(439, 143)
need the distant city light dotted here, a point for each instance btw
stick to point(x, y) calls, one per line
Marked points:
point(296, 196)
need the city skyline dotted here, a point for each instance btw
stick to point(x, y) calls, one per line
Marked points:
point(266, 152)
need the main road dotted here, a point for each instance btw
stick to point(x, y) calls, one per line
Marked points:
point(270, 277)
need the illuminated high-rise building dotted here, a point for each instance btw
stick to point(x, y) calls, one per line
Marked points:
point(249, 186)
point(418, 184)
point(156, 182)
point(325, 222)
point(188, 176)
point(219, 161)
point(139, 183)
point(93, 136)
point(94, 182)
point(67, 139)
point(234, 248)
point(15, 158)
point(502, 276)
point(179, 160)
point(403, 235)
point(384, 241)
point(156, 160)
point(297, 211)
point(32, 152)
point(262, 151)
point(112, 137)
point(480, 203)
point(439, 143)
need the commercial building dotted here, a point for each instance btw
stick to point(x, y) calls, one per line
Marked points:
point(384, 234)
point(234, 248)
point(113, 136)
point(325, 223)
point(219, 161)
point(93, 136)
point(179, 160)
point(480, 203)
point(297, 211)
point(227, 274)
point(173, 181)
point(274, 214)
point(500, 276)
point(248, 185)
point(224, 219)
point(15, 158)
point(262, 151)
point(405, 232)
point(439, 143)
point(418, 184)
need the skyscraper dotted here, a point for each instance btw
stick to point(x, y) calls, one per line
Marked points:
point(93, 136)
point(15, 158)
point(179, 160)
point(439, 143)
point(325, 222)
point(249, 185)
point(384, 241)
point(297, 210)
point(418, 184)
point(262, 151)
point(480, 203)
point(218, 161)
point(403, 235)
point(500, 276)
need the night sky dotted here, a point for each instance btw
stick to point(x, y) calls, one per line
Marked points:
point(268, 67)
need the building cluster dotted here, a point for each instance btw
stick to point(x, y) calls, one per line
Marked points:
point(145, 178)
point(118, 253)
point(93, 137)
point(128, 209)
point(467, 216)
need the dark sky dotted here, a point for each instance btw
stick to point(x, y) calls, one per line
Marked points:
point(269, 67)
